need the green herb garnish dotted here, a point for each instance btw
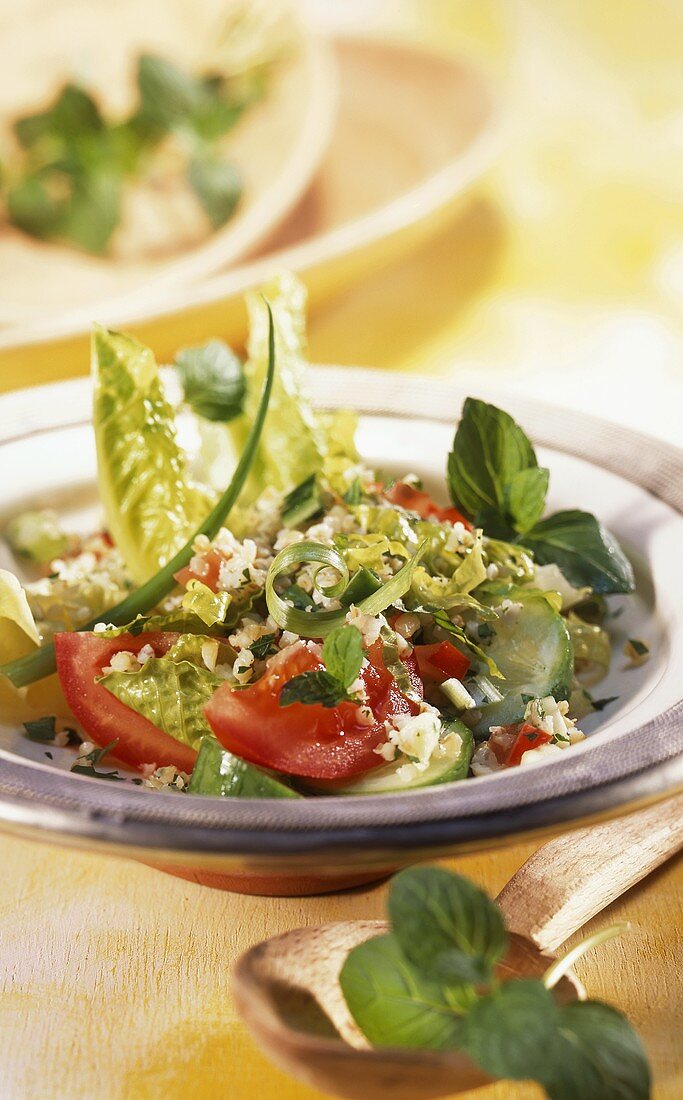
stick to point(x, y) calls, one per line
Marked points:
point(495, 479)
point(263, 646)
point(433, 982)
point(66, 181)
point(45, 729)
point(343, 657)
point(92, 759)
point(213, 380)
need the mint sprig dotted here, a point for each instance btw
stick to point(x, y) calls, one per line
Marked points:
point(495, 479)
point(328, 687)
point(432, 983)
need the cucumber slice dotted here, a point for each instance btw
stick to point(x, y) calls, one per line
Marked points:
point(219, 773)
point(385, 780)
point(533, 650)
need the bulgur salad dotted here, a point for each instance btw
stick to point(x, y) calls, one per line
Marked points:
point(318, 627)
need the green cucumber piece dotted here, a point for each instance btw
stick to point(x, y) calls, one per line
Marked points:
point(219, 773)
point(362, 584)
point(533, 650)
point(385, 780)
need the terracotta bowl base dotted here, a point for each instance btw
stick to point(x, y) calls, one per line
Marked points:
point(270, 885)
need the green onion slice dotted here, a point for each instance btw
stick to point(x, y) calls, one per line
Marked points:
point(40, 663)
point(318, 624)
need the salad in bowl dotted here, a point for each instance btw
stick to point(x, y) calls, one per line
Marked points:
point(319, 627)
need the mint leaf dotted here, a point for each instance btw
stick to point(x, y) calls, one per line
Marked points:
point(73, 114)
point(489, 449)
point(394, 1004)
point(513, 1032)
point(343, 654)
point(93, 210)
point(213, 380)
point(34, 207)
point(585, 551)
point(445, 925)
point(599, 1055)
point(525, 497)
point(216, 184)
point(169, 97)
point(313, 687)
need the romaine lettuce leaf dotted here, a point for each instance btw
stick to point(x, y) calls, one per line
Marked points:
point(170, 691)
point(150, 502)
point(296, 441)
point(293, 442)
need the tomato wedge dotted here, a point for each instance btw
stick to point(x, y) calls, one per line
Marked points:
point(441, 661)
point(302, 739)
point(414, 500)
point(206, 570)
point(509, 743)
point(80, 659)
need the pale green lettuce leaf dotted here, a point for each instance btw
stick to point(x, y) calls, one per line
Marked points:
point(19, 636)
point(150, 503)
point(295, 441)
point(170, 691)
point(211, 607)
point(18, 632)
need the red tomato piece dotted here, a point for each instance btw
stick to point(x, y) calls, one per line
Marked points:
point(308, 740)
point(414, 500)
point(80, 659)
point(441, 661)
point(509, 743)
point(206, 570)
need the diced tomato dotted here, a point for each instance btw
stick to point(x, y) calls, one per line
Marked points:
point(308, 739)
point(407, 496)
point(441, 661)
point(80, 660)
point(206, 570)
point(509, 743)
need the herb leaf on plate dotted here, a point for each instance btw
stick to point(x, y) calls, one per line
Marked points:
point(584, 550)
point(394, 1004)
point(212, 379)
point(343, 657)
point(343, 654)
point(489, 449)
point(446, 926)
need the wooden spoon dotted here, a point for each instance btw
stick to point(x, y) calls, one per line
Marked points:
point(288, 993)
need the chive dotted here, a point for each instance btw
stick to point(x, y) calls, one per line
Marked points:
point(41, 663)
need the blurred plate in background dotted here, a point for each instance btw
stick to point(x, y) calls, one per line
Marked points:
point(415, 130)
point(276, 146)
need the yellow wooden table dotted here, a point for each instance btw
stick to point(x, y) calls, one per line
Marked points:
point(564, 278)
point(115, 977)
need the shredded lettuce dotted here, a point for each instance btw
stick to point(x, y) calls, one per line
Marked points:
point(211, 607)
point(150, 502)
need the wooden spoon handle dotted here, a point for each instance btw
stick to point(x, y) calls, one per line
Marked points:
point(570, 879)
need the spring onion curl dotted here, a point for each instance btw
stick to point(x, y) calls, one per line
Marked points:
point(318, 624)
point(41, 663)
